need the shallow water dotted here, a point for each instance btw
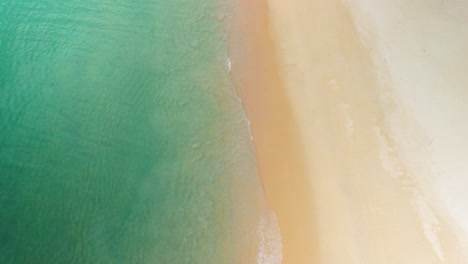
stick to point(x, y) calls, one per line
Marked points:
point(118, 125)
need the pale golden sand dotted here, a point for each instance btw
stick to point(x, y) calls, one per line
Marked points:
point(344, 161)
point(279, 152)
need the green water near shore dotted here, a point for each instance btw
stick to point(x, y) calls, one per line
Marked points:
point(113, 133)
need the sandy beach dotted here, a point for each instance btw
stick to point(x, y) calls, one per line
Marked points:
point(350, 104)
point(279, 152)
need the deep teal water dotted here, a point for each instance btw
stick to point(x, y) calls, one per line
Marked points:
point(113, 133)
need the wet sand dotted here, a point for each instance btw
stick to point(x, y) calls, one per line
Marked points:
point(277, 144)
point(345, 161)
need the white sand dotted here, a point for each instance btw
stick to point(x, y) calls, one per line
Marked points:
point(423, 47)
point(377, 92)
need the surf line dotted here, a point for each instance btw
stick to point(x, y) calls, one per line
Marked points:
point(229, 66)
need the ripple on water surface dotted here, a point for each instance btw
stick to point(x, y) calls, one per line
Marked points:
point(112, 141)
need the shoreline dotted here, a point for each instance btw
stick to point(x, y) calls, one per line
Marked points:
point(323, 125)
point(275, 137)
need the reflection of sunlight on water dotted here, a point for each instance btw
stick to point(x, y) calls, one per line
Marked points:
point(270, 249)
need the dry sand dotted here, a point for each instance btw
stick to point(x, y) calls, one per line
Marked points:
point(357, 116)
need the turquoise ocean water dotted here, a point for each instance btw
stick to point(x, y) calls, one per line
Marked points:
point(121, 139)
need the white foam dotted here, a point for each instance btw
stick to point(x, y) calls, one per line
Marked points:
point(270, 250)
point(229, 64)
point(250, 129)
